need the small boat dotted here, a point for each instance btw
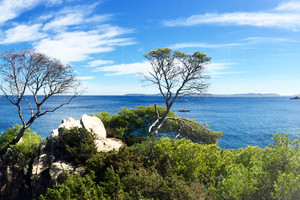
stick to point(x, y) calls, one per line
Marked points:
point(296, 97)
point(183, 110)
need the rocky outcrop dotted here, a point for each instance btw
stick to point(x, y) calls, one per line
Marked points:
point(27, 179)
point(91, 123)
point(108, 144)
point(94, 125)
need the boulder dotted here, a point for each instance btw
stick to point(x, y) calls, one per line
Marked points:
point(108, 144)
point(91, 123)
point(61, 168)
point(94, 125)
point(70, 123)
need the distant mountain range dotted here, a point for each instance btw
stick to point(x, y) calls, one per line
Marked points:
point(225, 95)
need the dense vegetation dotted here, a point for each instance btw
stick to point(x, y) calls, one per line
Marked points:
point(167, 168)
point(180, 169)
point(27, 147)
point(136, 122)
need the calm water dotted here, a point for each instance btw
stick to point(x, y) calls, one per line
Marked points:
point(244, 121)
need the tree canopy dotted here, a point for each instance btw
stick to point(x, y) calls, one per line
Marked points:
point(31, 72)
point(176, 75)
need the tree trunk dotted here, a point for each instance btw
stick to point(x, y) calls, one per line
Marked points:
point(160, 122)
point(19, 136)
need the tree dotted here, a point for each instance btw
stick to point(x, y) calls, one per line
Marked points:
point(28, 71)
point(176, 75)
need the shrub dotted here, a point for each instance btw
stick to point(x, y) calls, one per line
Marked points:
point(129, 122)
point(76, 145)
point(75, 187)
point(28, 145)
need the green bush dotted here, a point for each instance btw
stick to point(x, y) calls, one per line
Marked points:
point(75, 187)
point(181, 169)
point(129, 122)
point(28, 144)
point(76, 145)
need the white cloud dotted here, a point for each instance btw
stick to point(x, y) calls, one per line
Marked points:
point(260, 19)
point(289, 6)
point(280, 17)
point(64, 21)
point(245, 41)
point(79, 45)
point(125, 69)
point(255, 40)
point(10, 9)
point(22, 33)
point(214, 69)
point(202, 45)
point(96, 63)
point(144, 68)
point(84, 78)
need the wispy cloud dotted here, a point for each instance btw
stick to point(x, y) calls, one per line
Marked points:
point(84, 78)
point(255, 40)
point(244, 41)
point(217, 69)
point(289, 6)
point(125, 69)
point(73, 33)
point(96, 63)
point(80, 45)
point(202, 45)
point(279, 17)
point(212, 69)
point(23, 33)
point(11, 9)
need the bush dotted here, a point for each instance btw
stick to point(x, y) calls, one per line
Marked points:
point(75, 187)
point(76, 145)
point(28, 145)
point(129, 122)
point(180, 169)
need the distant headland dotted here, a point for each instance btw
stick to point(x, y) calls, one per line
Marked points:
point(225, 95)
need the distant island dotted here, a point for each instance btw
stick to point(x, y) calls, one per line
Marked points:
point(223, 95)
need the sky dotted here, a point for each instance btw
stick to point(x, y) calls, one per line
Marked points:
point(253, 45)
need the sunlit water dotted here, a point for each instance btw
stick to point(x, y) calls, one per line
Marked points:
point(244, 121)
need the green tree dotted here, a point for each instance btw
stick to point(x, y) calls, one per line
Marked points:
point(176, 75)
point(33, 72)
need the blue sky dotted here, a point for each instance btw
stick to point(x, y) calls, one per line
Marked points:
point(254, 45)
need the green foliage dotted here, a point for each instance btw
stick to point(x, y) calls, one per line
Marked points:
point(9, 135)
point(180, 169)
point(28, 145)
point(77, 145)
point(75, 187)
point(129, 122)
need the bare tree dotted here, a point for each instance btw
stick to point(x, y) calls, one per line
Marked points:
point(176, 75)
point(26, 72)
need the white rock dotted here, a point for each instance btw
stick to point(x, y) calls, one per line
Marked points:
point(58, 168)
point(108, 144)
point(40, 164)
point(54, 133)
point(94, 125)
point(70, 123)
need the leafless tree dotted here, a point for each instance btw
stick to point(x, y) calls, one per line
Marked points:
point(28, 71)
point(176, 75)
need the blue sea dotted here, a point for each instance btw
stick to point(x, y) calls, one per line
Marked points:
point(243, 121)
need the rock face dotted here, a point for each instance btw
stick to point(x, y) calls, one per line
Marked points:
point(91, 123)
point(108, 144)
point(94, 125)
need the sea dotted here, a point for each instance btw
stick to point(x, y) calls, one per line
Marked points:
point(243, 120)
